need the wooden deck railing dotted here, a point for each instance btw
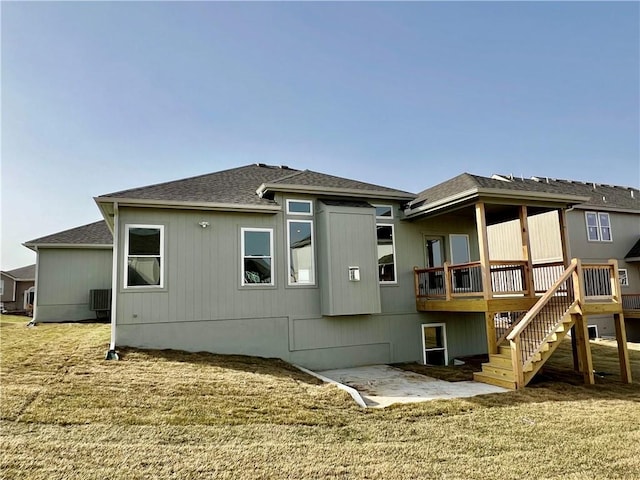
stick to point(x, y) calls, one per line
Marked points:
point(508, 277)
point(631, 301)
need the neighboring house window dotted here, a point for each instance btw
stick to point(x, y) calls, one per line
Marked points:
point(598, 227)
point(386, 253)
point(1, 287)
point(434, 344)
point(384, 211)
point(301, 256)
point(624, 278)
point(257, 256)
point(144, 255)
point(300, 207)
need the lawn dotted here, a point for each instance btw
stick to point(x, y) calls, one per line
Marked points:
point(67, 413)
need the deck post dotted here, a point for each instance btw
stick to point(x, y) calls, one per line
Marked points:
point(578, 294)
point(615, 282)
point(447, 281)
point(584, 348)
point(516, 361)
point(526, 252)
point(483, 245)
point(492, 346)
point(623, 352)
point(564, 237)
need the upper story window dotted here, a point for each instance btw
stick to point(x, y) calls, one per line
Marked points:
point(598, 227)
point(386, 253)
point(384, 211)
point(144, 251)
point(257, 256)
point(301, 255)
point(624, 277)
point(299, 207)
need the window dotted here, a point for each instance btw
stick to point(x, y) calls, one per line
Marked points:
point(301, 258)
point(299, 207)
point(384, 211)
point(386, 254)
point(434, 344)
point(598, 227)
point(257, 256)
point(460, 255)
point(144, 256)
point(1, 287)
point(624, 278)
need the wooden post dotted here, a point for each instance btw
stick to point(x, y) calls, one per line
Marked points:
point(615, 282)
point(576, 281)
point(516, 361)
point(483, 245)
point(526, 252)
point(584, 348)
point(492, 346)
point(623, 353)
point(447, 281)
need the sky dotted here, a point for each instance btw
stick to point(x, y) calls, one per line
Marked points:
point(98, 97)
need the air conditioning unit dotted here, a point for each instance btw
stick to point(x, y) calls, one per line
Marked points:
point(100, 302)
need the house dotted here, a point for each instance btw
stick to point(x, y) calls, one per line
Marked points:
point(70, 264)
point(606, 226)
point(17, 289)
point(327, 272)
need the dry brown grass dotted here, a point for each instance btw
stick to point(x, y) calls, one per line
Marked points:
point(67, 413)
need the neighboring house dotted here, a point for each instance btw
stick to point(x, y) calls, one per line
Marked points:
point(604, 227)
point(17, 289)
point(328, 272)
point(69, 265)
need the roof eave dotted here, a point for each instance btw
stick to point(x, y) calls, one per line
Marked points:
point(343, 192)
point(96, 246)
point(495, 193)
point(607, 208)
point(185, 205)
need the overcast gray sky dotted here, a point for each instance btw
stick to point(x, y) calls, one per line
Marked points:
point(102, 96)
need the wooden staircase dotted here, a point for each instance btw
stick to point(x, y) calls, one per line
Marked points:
point(535, 337)
point(499, 370)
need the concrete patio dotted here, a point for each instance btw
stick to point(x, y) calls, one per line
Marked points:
point(381, 385)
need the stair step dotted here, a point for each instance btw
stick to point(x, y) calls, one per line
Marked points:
point(499, 371)
point(499, 359)
point(494, 380)
point(504, 350)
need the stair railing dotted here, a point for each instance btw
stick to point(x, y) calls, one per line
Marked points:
point(540, 323)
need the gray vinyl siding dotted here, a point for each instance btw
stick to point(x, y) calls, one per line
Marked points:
point(9, 292)
point(203, 307)
point(65, 277)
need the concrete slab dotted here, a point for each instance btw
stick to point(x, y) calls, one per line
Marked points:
point(382, 385)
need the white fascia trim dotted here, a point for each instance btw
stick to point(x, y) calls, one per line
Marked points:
point(605, 208)
point(344, 192)
point(96, 246)
point(227, 207)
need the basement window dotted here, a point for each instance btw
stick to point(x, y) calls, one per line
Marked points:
point(434, 344)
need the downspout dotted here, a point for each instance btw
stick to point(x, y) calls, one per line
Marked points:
point(112, 354)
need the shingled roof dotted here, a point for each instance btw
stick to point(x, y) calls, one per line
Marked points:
point(239, 186)
point(93, 234)
point(467, 184)
point(23, 274)
point(634, 253)
point(601, 196)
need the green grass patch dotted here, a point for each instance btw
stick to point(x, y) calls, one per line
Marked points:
point(67, 413)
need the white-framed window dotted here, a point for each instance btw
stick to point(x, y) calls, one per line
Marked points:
point(301, 252)
point(257, 256)
point(384, 212)
point(299, 207)
point(460, 254)
point(144, 256)
point(386, 253)
point(624, 277)
point(598, 227)
point(434, 344)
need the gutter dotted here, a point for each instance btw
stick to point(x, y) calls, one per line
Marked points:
point(186, 205)
point(344, 192)
point(35, 246)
